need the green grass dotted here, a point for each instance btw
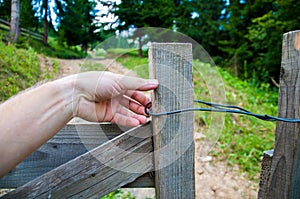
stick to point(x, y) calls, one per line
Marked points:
point(53, 49)
point(241, 140)
point(19, 69)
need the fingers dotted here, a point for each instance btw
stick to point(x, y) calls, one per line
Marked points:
point(125, 117)
point(138, 96)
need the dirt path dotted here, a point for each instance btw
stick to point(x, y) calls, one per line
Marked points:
point(214, 180)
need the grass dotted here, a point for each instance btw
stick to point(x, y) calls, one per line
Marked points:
point(240, 140)
point(20, 69)
point(52, 49)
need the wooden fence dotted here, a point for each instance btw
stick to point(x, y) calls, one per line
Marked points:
point(280, 174)
point(91, 160)
point(158, 154)
point(4, 25)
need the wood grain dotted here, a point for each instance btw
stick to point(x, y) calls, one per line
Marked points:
point(108, 167)
point(73, 140)
point(171, 65)
point(285, 171)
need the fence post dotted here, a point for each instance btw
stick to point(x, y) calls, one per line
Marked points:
point(171, 65)
point(285, 171)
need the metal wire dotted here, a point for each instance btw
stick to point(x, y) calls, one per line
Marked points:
point(221, 108)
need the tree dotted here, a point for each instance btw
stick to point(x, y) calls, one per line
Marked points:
point(77, 25)
point(14, 22)
point(27, 15)
point(5, 9)
point(138, 14)
point(201, 20)
point(46, 12)
point(266, 31)
point(236, 47)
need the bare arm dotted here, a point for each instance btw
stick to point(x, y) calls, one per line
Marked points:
point(31, 118)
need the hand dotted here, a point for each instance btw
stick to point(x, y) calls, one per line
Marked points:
point(109, 97)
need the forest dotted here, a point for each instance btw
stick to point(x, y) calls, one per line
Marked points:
point(243, 36)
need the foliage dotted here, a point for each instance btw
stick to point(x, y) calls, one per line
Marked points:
point(138, 14)
point(200, 20)
point(118, 194)
point(19, 69)
point(5, 7)
point(244, 139)
point(77, 25)
point(28, 19)
point(52, 49)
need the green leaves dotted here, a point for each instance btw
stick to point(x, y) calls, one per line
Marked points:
point(77, 26)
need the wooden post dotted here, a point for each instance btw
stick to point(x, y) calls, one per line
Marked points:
point(285, 171)
point(171, 65)
point(265, 174)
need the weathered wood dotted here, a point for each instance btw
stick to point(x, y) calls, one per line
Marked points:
point(97, 172)
point(70, 142)
point(145, 181)
point(285, 171)
point(171, 65)
point(265, 174)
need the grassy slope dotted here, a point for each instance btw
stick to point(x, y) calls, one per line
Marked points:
point(20, 69)
point(242, 139)
point(19, 64)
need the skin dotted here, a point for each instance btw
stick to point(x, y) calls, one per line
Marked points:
point(33, 117)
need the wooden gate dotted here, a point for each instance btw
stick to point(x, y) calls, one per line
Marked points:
point(91, 160)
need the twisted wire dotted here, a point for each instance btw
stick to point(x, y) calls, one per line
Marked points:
point(220, 108)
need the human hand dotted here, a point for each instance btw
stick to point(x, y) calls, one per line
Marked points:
point(109, 97)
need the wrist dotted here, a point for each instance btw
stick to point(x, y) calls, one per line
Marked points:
point(70, 95)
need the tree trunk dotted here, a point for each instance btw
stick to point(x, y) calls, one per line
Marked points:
point(140, 47)
point(14, 22)
point(45, 39)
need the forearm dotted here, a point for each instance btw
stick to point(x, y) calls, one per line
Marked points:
point(31, 118)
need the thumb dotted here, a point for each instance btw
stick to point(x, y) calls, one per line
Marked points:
point(135, 83)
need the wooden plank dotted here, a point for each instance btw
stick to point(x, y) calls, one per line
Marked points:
point(145, 181)
point(285, 171)
point(110, 166)
point(171, 65)
point(265, 174)
point(73, 140)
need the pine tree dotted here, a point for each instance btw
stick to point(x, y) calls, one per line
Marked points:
point(77, 25)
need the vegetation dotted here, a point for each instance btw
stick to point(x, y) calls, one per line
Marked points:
point(118, 194)
point(52, 49)
point(20, 69)
point(242, 36)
